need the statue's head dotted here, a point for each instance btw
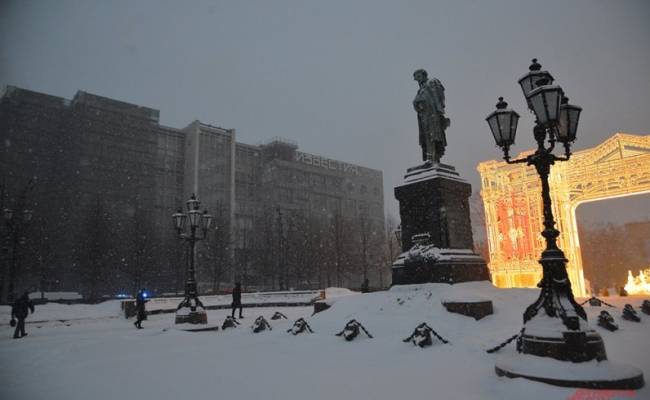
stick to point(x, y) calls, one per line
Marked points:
point(420, 75)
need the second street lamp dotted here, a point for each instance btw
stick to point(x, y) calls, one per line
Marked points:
point(199, 223)
point(555, 325)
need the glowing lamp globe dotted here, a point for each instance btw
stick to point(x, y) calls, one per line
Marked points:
point(568, 123)
point(545, 103)
point(206, 220)
point(180, 220)
point(503, 124)
point(529, 82)
point(195, 217)
point(192, 203)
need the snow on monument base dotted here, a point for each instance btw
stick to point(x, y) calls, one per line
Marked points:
point(590, 374)
point(428, 264)
point(436, 230)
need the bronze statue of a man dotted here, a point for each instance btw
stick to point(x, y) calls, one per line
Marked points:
point(429, 103)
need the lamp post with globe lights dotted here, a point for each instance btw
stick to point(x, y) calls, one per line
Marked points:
point(197, 230)
point(555, 325)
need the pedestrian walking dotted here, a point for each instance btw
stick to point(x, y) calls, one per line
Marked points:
point(141, 312)
point(19, 310)
point(236, 300)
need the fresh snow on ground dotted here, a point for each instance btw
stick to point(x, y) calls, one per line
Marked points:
point(105, 357)
point(59, 312)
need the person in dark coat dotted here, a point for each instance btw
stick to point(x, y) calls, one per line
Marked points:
point(20, 310)
point(236, 300)
point(141, 312)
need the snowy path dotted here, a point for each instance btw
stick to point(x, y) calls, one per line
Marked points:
point(109, 359)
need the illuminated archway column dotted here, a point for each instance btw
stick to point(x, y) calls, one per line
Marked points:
point(580, 275)
point(616, 168)
point(492, 191)
point(568, 240)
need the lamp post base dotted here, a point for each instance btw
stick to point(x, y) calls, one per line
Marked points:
point(185, 315)
point(590, 374)
point(574, 346)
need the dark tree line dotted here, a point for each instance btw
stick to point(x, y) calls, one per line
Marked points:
point(296, 249)
point(110, 252)
point(609, 251)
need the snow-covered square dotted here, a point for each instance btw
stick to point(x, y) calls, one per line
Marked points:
point(101, 355)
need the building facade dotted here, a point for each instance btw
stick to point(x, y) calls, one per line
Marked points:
point(95, 156)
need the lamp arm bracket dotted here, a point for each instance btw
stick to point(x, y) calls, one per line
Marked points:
point(552, 145)
point(518, 161)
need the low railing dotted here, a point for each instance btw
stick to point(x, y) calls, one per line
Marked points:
point(220, 302)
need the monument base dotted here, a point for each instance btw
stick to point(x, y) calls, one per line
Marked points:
point(424, 264)
point(574, 346)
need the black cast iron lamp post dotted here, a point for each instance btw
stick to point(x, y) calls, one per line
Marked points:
point(555, 325)
point(199, 223)
point(16, 226)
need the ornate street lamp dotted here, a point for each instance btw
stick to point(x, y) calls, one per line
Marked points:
point(555, 325)
point(199, 223)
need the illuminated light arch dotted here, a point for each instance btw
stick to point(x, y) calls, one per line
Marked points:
point(618, 167)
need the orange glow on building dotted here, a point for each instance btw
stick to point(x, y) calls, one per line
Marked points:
point(511, 195)
point(639, 284)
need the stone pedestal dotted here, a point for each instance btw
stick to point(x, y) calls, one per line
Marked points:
point(434, 201)
point(474, 309)
point(320, 306)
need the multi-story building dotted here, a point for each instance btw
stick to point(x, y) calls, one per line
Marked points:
point(92, 153)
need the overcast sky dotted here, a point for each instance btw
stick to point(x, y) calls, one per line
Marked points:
point(336, 76)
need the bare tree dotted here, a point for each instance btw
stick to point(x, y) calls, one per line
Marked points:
point(44, 255)
point(264, 247)
point(342, 247)
point(391, 248)
point(364, 230)
point(96, 250)
point(139, 262)
point(219, 248)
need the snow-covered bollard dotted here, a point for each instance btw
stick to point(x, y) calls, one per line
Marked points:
point(645, 307)
point(229, 322)
point(351, 330)
point(299, 327)
point(278, 315)
point(629, 313)
point(596, 302)
point(607, 321)
point(422, 336)
point(260, 325)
